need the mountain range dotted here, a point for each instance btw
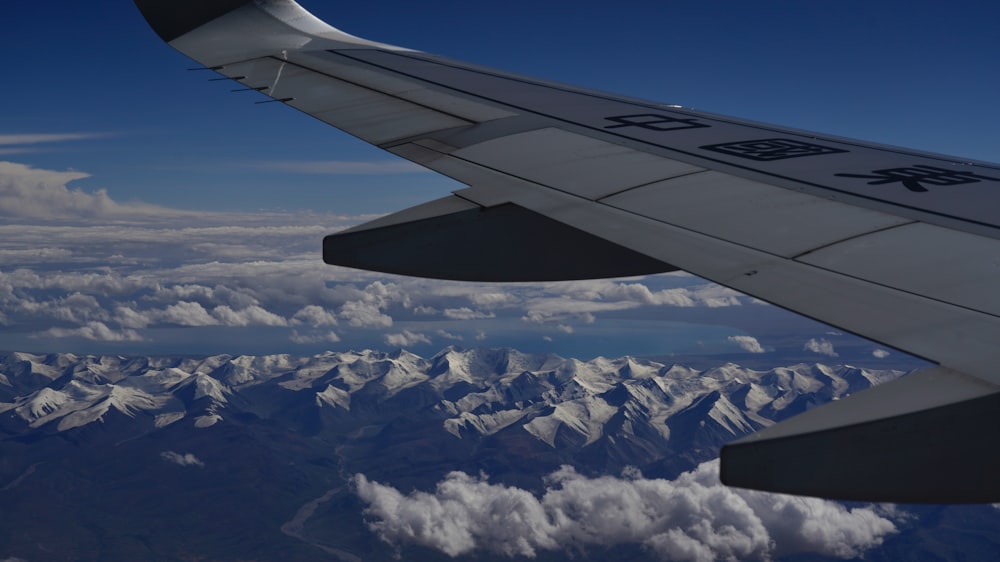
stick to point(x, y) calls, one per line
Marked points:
point(253, 457)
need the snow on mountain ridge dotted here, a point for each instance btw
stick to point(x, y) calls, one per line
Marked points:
point(473, 393)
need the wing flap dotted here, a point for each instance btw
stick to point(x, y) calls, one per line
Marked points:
point(924, 438)
point(453, 239)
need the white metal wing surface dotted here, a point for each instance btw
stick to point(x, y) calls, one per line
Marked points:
point(564, 183)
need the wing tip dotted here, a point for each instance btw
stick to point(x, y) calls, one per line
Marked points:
point(171, 19)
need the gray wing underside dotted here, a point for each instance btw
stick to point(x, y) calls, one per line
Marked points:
point(563, 183)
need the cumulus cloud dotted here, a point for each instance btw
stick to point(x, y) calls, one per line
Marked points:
point(360, 314)
point(406, 339)
point(821, 346)
point(691, 518)
point(637, 293)
point(747, 343)
point(327, 337)
point(449, 336)
point(27, 192)
point(314, 316)
point(187, 459)
point(465, 313)
point(880, 353)
point(187, 313)
point(250, 316)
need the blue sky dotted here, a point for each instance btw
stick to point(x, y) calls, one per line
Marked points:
point(94, 99)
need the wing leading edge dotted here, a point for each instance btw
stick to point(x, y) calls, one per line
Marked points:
point(896, 245)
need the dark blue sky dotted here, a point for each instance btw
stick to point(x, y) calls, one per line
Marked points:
point(912, 73)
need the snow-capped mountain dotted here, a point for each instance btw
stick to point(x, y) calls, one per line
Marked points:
point(251, 457)
point(633, 411)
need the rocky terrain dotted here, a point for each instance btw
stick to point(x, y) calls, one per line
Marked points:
point(254, 457)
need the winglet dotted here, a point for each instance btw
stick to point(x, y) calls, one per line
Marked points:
point(220, 32)
point(172, 18)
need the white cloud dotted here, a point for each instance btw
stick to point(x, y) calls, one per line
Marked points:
point(27, 192)
point(314, 316)
point(186, 313)
point(40, 138)
point(184, 460)
point(491, 298)
point(249, 316)
point(130, 318)
point(360, 314)
point(636, 293)
point(821, 346)
point(449, 336)
point(406, 339)
point(880, 353)
point(328, 337)
point(96, 331)
point(747, 343)
point(691, 518)
point(465, 313)
point(546, 317)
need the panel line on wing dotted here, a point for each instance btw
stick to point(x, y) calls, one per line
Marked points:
point(806, 253)
point(410, 89)
point(425, 57)
point(605, 198)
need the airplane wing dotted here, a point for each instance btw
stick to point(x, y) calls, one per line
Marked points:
point(566, 183)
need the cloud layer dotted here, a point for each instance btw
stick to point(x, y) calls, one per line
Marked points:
point(78, 266)
point(692, 518)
